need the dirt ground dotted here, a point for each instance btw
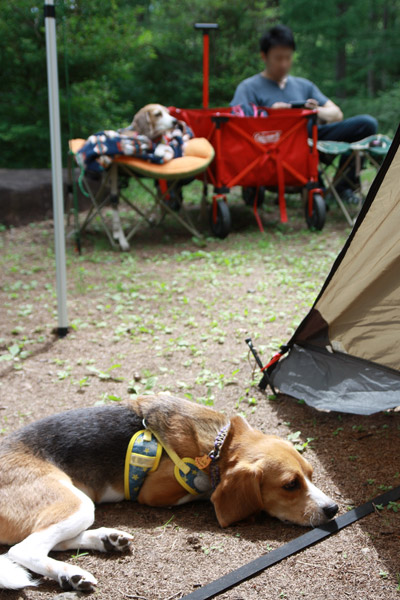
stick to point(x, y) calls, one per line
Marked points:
point(170, 315)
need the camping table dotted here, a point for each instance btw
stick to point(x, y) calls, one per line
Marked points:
point(198, 155)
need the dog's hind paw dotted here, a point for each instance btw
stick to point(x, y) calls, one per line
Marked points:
point(82, 581)
point(116, 541)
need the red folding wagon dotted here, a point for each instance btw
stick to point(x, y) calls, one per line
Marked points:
point(268, 152)
point(273, 152)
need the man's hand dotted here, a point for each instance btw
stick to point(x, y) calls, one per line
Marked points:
point(281, 105)
point(311, 103)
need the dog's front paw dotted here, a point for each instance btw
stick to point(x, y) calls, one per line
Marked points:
point(82, 581)
point(164, 151)
point(119, 237)
point(123, 243)
point(116, 541)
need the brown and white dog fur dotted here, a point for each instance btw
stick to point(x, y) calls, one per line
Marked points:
point(153, 121)
point(54, 470)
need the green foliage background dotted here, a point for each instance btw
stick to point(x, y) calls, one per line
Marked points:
point(123, 54)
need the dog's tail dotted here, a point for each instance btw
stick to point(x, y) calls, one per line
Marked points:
point(13, 576)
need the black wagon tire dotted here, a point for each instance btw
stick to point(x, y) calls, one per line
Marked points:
point(317, 219)
point(249, 194)
point(222, 226)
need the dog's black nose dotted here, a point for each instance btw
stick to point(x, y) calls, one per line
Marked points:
point(330, 510)
point(174, 122)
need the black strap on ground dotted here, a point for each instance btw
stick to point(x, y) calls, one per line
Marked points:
point(308, 539)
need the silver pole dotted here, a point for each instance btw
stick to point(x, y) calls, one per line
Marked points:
point(56, 165)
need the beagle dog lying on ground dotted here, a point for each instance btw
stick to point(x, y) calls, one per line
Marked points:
point(158, 450)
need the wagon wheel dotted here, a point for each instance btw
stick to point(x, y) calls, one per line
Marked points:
point(249, 194)
point(222, 226)
point(317, 219)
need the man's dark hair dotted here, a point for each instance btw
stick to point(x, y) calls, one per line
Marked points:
point(280, 35)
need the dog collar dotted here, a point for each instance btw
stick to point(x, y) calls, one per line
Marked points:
point(219, 442)
point(215, 454)
point(211, 459)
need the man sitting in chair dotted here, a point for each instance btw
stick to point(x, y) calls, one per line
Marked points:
point(275, 88)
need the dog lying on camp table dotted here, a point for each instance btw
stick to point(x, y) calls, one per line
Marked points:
point(155, 123)
point(158, 450)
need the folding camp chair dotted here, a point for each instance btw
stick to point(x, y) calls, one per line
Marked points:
point(198, 155)
point(371, 150)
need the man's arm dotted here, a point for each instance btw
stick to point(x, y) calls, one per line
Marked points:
point(328, 112)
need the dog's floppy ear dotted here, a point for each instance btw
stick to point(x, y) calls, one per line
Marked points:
point(238, 495)
point(142, 123)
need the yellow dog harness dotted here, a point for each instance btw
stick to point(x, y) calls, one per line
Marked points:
point(143, 456)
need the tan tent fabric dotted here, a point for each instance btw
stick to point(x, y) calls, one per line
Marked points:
point(362, 301)
point(345, 355)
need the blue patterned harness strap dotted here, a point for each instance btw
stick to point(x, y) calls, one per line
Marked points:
point(142, 457)
point(188, 480)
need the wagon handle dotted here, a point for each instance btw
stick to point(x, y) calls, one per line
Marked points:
point(205, 28)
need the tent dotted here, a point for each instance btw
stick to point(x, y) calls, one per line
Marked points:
point(345, 355)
